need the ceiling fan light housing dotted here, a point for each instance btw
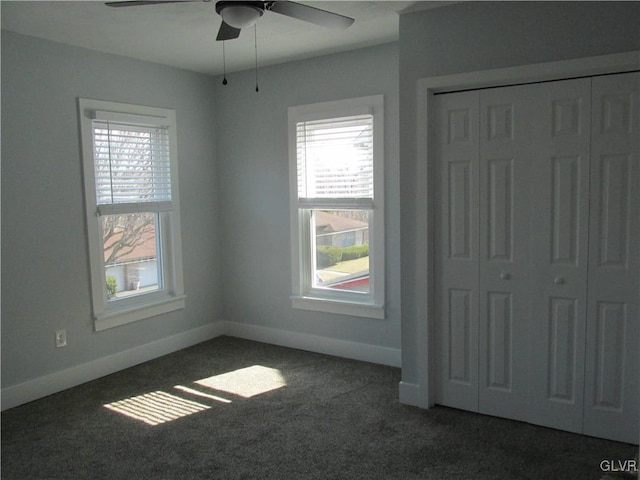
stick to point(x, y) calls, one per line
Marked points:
point(240, 14)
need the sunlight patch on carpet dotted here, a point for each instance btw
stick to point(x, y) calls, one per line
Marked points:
point(198, 393)
point(156, 408)
point(246, 382)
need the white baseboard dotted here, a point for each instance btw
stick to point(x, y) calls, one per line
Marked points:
point(70, 377)
point(314, 343)
point(409, 394)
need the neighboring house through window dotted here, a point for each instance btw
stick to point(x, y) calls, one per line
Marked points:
point(133, 214)
point(337, 206)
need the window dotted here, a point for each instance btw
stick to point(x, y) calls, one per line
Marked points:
point(337, 207)
point(133, 215)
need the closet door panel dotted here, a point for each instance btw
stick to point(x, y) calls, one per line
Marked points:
point(559, 254)
point(561, 371)
point(611, 390)
point(457, 250)
point(503, 234)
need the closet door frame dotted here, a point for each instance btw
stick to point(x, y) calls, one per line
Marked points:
point(422, 394)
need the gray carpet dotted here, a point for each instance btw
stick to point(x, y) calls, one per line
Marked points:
point(334, 419)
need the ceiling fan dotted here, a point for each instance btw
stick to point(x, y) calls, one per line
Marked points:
point(239, 14)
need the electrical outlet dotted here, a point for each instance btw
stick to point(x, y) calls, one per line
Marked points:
point(61, 338)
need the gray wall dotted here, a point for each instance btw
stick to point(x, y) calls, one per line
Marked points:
point(234, 194)
point(476, 36)
point(45, 272)
point(254, 189)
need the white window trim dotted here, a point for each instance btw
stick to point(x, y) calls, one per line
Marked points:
point(171, 297)
point(330, 301)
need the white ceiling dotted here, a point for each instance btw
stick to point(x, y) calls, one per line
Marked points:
point(183, 34)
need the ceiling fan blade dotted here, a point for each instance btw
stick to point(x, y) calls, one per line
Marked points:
point(311, 14)
point(138, 3)
point(227, 32)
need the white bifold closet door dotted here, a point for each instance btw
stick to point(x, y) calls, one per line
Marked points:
point(507, 155)
point(457, 261)
point(537, 253)
point(559, 245)
point(613, 311)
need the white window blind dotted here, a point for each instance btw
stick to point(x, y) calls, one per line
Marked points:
point(132, 163)
point(335, 158)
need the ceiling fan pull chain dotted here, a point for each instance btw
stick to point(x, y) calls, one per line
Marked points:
point(255, 38)
point(224, 66)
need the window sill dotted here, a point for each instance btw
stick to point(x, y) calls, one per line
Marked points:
point(129, 314)
point(316, 304)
